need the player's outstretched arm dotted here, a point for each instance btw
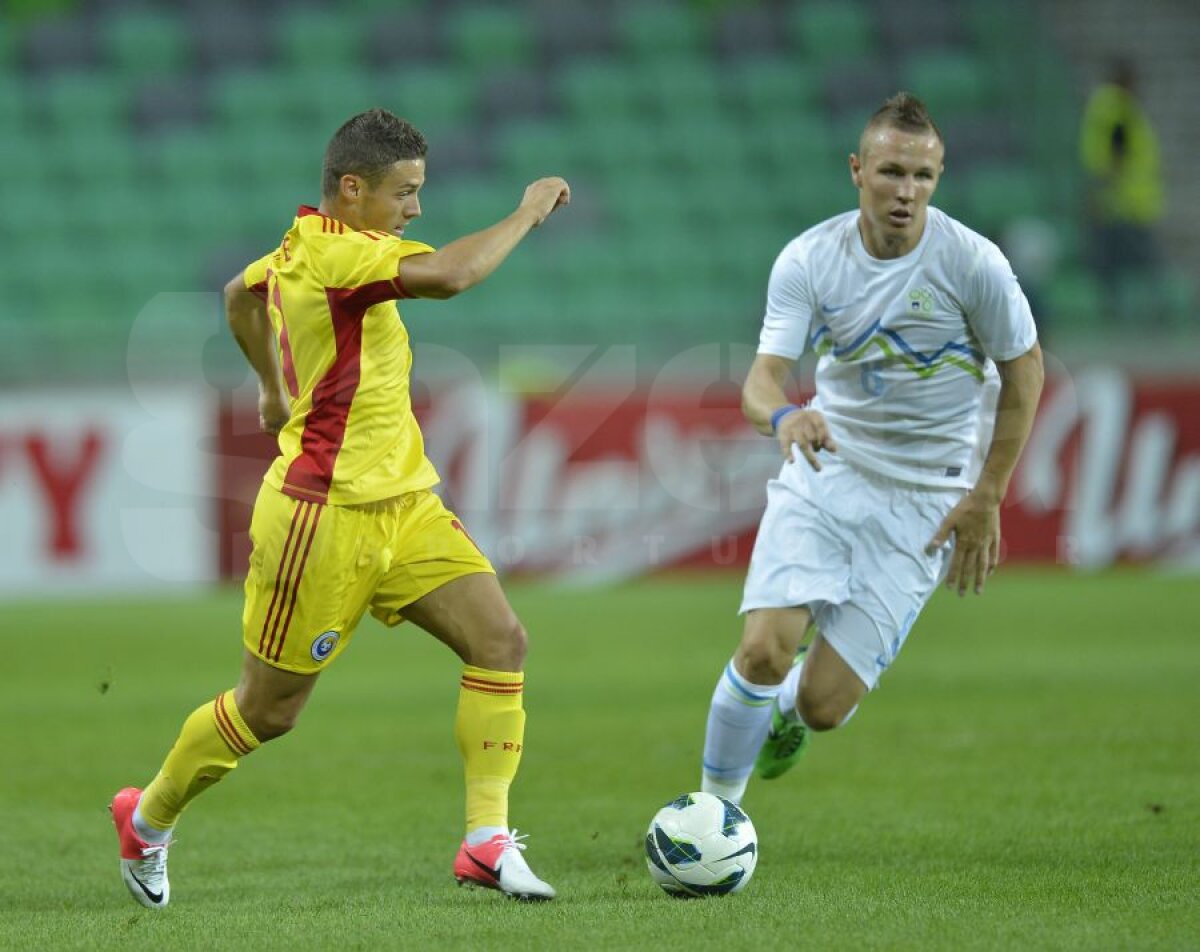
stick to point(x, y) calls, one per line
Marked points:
point(975, 521)
point(463, 263)
point(246, 313)
point(765, 405)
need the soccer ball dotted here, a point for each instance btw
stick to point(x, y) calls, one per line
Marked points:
point(700, 844)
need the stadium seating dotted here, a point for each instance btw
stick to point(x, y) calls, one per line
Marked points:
point(699, 138)
point(146, 45)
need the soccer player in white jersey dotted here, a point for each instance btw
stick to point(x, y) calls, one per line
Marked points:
point(894, 473)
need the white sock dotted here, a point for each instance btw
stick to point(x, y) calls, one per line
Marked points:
point(785, 701)
point(738, 720)
point(481, 834)
point(151, 834)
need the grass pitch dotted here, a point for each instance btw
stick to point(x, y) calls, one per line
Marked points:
point(1027, 777)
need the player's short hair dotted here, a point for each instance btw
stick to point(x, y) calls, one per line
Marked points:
point(368, 145)
point(905, 112)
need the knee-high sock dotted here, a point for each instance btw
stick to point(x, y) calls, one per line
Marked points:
point(789, 691)
point(738, 721)
point(212, 740)
point(490, 731)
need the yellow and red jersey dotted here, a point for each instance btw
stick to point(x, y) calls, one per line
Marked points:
point(330, 292)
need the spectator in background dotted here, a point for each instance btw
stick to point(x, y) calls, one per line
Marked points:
point(1119, 150)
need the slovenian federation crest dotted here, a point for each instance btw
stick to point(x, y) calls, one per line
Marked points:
point(920, 301)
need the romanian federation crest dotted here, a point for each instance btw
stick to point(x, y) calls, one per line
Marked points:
point(323, 645)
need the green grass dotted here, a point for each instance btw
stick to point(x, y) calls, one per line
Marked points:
point(1028, 777)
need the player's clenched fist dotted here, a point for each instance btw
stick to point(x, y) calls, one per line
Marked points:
point(807, 430)
point(274, 409)
point(545, 195)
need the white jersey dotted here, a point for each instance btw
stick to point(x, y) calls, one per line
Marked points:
point(906, 344)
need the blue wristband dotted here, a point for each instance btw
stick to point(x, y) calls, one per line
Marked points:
point(780, 414)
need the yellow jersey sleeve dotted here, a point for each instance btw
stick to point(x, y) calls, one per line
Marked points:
point(255, 274)
point(369, 260)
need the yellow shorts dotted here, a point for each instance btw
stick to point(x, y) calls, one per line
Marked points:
point(315, 569)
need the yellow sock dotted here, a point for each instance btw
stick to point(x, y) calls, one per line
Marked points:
point(212, 739)
point(490, 730)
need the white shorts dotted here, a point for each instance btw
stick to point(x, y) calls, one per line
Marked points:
point(850, 546)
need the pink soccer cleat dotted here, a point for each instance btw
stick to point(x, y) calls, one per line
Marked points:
point(498, 864)
point(143, 865)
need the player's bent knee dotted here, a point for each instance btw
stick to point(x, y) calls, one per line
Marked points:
point(268, 720)
point(517, 640)
point(762, 661)
point(503, 647)
point(822, 713)
point(272, 724)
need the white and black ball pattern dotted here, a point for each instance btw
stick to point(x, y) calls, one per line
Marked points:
point(700, 844)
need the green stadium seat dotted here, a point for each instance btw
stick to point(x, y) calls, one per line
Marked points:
point(485, 37)
point(600, 90)
point(185, 156)
point(276, 154)
point(92, 157)
point(14, 105)
point(1182, 303)
point(1074, 299)
point(669, 257)
point(999, 194)
point(22, 288)
point(797, 145)
point(831, 30)
point(772, 90)
point(688, 87)
point(1153, 302)
point(643, 199)
point(721, 195)
point(153, 267)
point(144, 44)
point(822, 192)
point(951, 196)
point(206, 214)
point(600, 312)
point(273, 206)
point(26, 161)
point(331, 95)
point(113, 214)
point(530, 147)
point(472, 204)
point(321, 39)
point(952, 83)
point(588, 260)
point(613, 148)
point(436, 99)
point(706, 142)
point(85, 101)
point(1000, 30)
point(663, 32)
point(242, 99)
point(311, 102)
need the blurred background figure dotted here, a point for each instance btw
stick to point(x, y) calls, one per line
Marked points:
point(1120, 153)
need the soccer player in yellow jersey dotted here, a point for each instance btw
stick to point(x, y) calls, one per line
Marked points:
point(345, 519)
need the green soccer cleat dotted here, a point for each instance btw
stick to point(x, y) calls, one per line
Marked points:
point(785, 744)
